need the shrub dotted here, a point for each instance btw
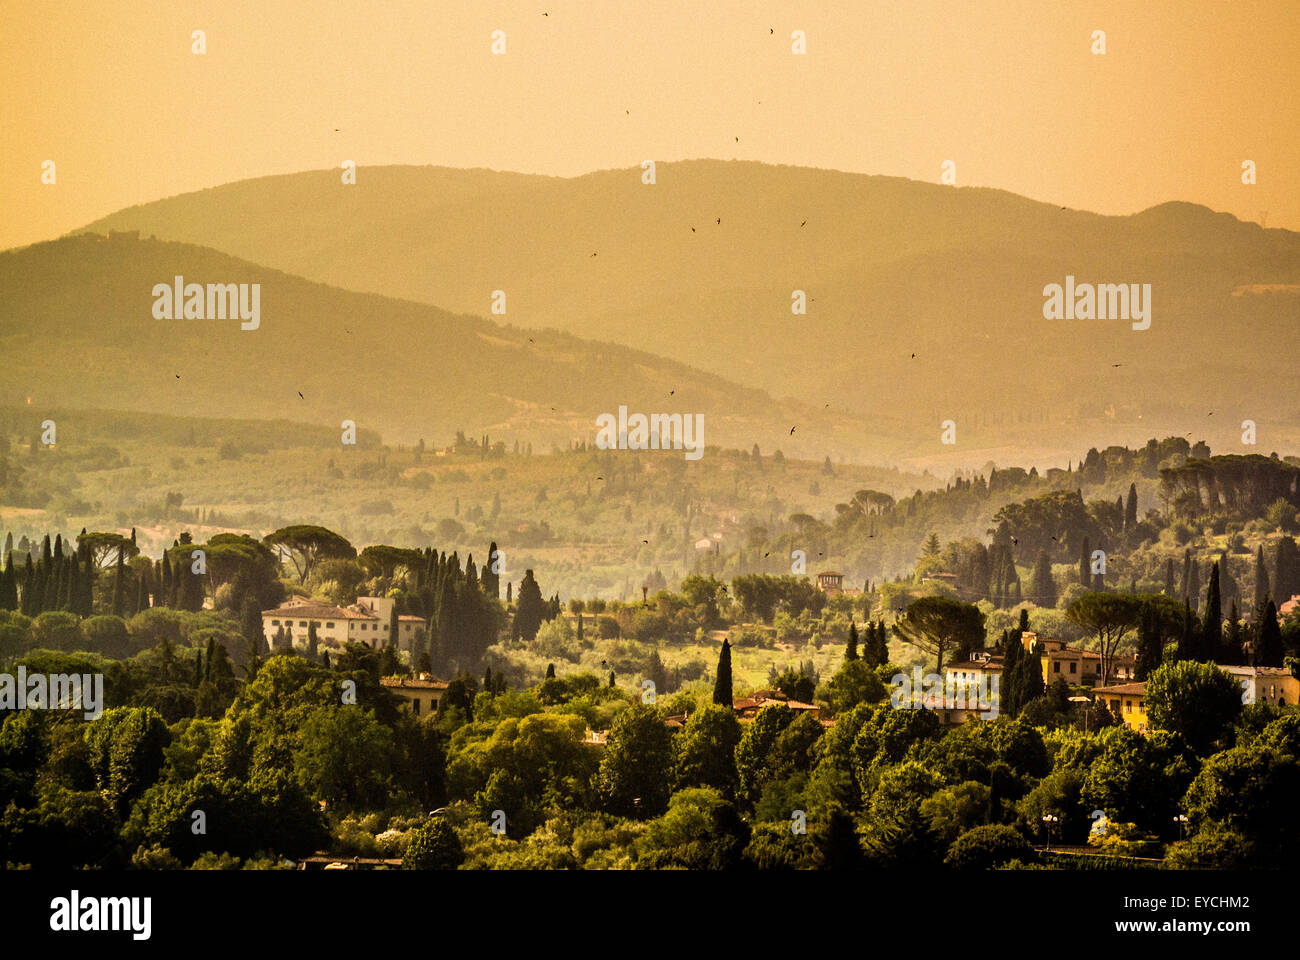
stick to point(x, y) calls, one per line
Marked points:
point(986, 847)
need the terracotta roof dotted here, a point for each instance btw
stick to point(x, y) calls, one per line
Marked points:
point(315, 611)
point(1123, 689)
point(746, 703)
point(411, 683)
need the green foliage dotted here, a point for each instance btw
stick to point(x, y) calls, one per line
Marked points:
point(699, 831)
point(433, 846)
point(126, 753)
point(633, 780)
point(988, 846)
point(1197, 700)
point(705, 750)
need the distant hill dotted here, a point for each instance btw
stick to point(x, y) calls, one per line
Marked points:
point(892, 268)
point(77, 329)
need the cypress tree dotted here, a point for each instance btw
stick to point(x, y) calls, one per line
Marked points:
point(530, 611)
point(611, 678)
point(492, 580)
point(1012, 653)
point(1262, 590)
point(163, 597)
point(1149, 650)
point(250, 622)
point(1131, 508)
point(1212, 629)
point(851, 651)
point(313, 642)
point(9, 598)
point(1042, 588)
point(1286, 570)
point(882, 644)
point(1269, 651)
point(1029, 684)
point(550, 671)
point(119, 586)
point(722, 689)
point(1169, 577)
point(1187, 640)
point(29, 588)
point(1232, 651)
point(1195, 587)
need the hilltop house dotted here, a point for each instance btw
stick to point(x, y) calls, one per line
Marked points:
point(366, 621)
point(1273, 685)
point(1075, 664)
point(420, 695)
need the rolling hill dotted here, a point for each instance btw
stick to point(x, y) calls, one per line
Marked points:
point(925, 301)
point(77, 328)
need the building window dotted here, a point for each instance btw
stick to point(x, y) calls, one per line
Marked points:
point(415, 706)
point(330, 625)
point(1128, 706)
point(1114, 705)
point(1074, 667)
point(302, 623)
point(1056, 666)
point(275, 623)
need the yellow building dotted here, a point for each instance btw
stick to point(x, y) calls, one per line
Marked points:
point(1075, 664)
point(419, 694)
point(1124, 700)
point(1274, 685)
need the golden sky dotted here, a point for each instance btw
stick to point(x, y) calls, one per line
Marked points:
point(1006, 89)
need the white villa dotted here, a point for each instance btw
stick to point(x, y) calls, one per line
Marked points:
point(366, 621)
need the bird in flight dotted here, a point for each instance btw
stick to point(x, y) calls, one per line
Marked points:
point(913, 357)
point(805, 223)
point(792, 430)
point(300, 396)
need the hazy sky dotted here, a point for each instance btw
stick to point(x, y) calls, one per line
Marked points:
point(1008, 90)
